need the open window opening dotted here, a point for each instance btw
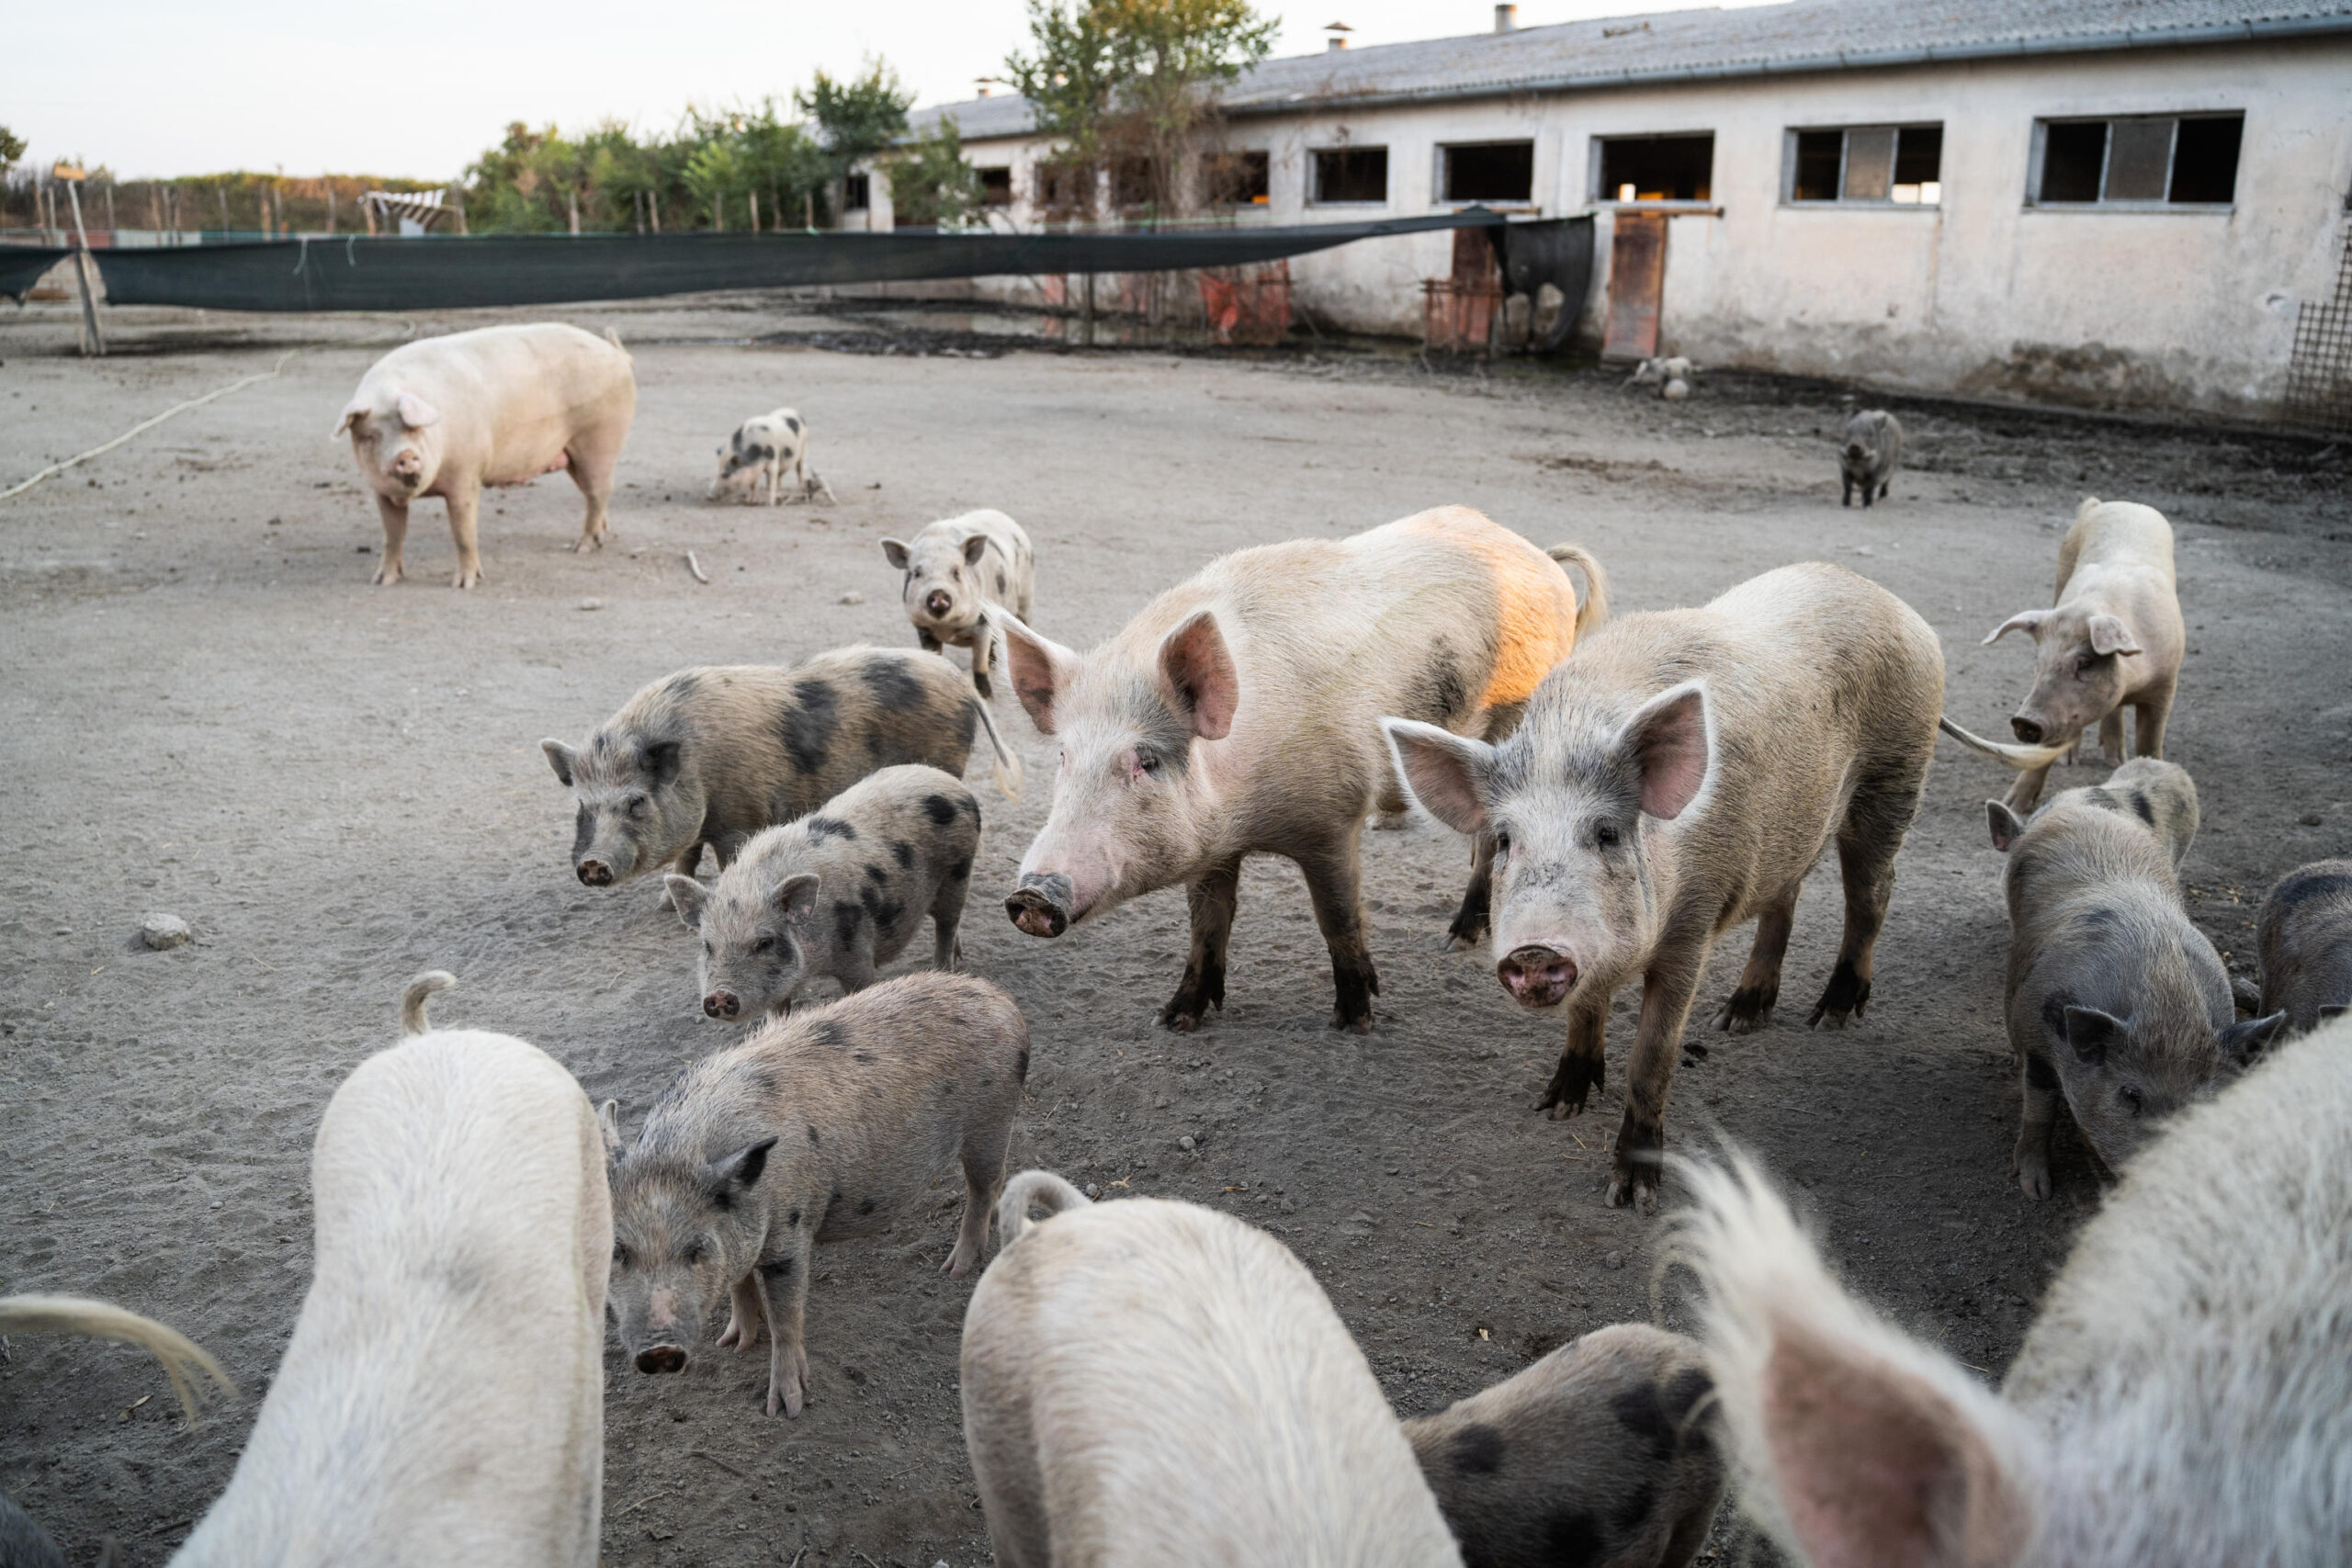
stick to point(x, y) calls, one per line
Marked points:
point(1656, 168)
point(1350, 175)
point(1898, 164)
point(1238, 179)
point(995, 187)
point(1487, 171)
point(2145, 161)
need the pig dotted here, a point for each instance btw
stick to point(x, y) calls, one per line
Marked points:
point(954, 571)
point(2114, 1002)
point(823, 1126)
point(836, 893)
point(756, 457)
point(2304, 939)
point(1237, 715)
point(714, 754)
point(2182, 1399)
point(1599, 1454)
point(2113, 640)
point(1663, 373)
point(1679, 776)
point(442, 1398)
point(1873, 445)
point(495, 406)
point(1153, 1382)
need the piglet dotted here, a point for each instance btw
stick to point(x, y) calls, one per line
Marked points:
point(495, 406)
point(835, 894)
point(954, 571)
point(2119, 1008)
point(2304, 935)
point(1602, 1453)
point(1148, 1381)
point(766, 447)
point(820, 1127)
point(1871, 447)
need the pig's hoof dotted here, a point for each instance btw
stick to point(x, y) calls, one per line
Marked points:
point(1747, 1010)
point(466, 579)
point(1572, 1083)
point(1360, 1024)
point(387, 574)
point(2033, 1177)
point(1635, 1192)
point(1181, 1022)
point(1847, 995)
point(1466, 932)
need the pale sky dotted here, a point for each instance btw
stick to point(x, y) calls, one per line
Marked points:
point(419, 88)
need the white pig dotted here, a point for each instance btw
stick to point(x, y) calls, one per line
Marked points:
point(1153, 1383)
point(442, 1400)
point(495, 406)
point(953, 572)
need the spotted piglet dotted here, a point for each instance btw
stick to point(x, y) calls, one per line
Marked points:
point(761, 451)
point(823, 1126)
point(1601, 1453)
point(835, 894)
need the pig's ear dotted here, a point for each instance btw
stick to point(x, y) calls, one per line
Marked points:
point(2110, 635)
point(974, 548)
point(2092, 1032)
point(895, 551)
point(1041, 670)
point(353, 412)
point(1861, 1445)
point(416, 413)
point(2332, 1011)
point(1446, 771)
point(2026, 621)
point(687, 897)
point(561, 758)
point(661, 762)
point(608, 1122)
point(1666, 742)
point(2005, 824)
point(2241, 1044)
point(1199, 670)
point(795, 895)
point(739, 1172)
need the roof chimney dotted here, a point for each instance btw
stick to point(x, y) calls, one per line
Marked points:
point(1506, 18)
point(1339, 32)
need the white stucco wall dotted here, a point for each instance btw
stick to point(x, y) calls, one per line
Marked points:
point(1982, 294)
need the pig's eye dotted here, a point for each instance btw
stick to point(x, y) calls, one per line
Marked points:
point(620, 1254)
point(708, 949)
point(2083, 662)
point(1605, 835)
point(1148, 762)
point(636, 805)
point(696, 1251)
point(1502, 843)
point(2131, 1098)
point(765, 944)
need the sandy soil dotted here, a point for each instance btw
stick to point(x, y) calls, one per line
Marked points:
point(209, 712)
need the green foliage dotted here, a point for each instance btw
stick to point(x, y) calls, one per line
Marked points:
point(12, 147)
point(858, 117)
point(704, 176)
point(930, 182)
point(1134, 83)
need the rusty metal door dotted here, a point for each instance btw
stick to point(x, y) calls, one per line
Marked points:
point(1636, 285)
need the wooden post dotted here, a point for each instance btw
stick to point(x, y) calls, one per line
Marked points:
point(95, 340)
point(752, 198)
point(572, 202)
point(111, 224)
point(330, 206)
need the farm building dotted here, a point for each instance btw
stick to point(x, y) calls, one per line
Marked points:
point(2116, 203)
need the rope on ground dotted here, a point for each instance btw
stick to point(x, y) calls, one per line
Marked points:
point(56, 468)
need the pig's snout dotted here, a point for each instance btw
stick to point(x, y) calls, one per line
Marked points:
point(722, 1004)
point(1539, 975)
point(2029, 730)
point(594, 872)
point(662, 1358)
point(937, 602)
point(408, 464)
point(1040, 906)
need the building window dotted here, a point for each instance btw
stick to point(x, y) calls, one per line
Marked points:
point(996, 187)
point(1236, 179)
point(1655, 168)
point(1487, 171)
point(857, 192)
point(2146, 161)
point(1902, 164)
point(1063, 190)
point(1350, 174)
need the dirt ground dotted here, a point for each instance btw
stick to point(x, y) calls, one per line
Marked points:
point(209, 712)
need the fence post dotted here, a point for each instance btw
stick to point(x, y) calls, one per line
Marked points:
point(95, 342)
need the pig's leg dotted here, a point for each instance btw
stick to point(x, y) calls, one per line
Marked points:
point(784, 1285)
point(1750, 1007)
point(927, 642)
point(465, 531)
point(946, 917)
point(983, 1159)
point(746, 1311)
point(592, 456)
point(1335, 884)
point(1477, 899)
point(2110, 738)
point(854, 968)
point(1212, 896)
point(394, 517)
point(1876, 818)
point(2026, 791)
point(1583, 1068)
point(2030, 1164)
point(2148, 716)
point(1666, 992)
point(1846, 489)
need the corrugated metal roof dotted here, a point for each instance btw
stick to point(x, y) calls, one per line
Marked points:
point(1794, 36)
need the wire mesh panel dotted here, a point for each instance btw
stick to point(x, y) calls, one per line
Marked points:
point(2319, 372)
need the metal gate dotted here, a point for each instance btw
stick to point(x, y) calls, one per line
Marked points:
point(2319, 372)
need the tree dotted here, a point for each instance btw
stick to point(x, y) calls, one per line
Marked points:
point(930, 182)
point(1134, 83)
point(12, 147)
point(858, 117)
